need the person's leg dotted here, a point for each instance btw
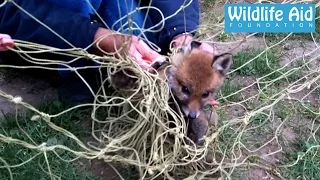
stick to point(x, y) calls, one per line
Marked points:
point(113, 11)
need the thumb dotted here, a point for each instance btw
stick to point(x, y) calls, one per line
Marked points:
point(138, 58)
point(211, 49)
point(146, 52)
point(214, 103)
point(8, 42)
point(5, 41)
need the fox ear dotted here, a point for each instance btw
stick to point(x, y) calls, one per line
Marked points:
point(222, 63)
point(187, 48)
point(195, 44)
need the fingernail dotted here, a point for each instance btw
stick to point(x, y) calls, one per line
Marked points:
point(147, 60)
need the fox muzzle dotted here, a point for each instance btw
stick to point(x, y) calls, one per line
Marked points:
point(193, 115)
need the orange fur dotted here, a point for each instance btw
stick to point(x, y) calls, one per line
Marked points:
point(198, 74)
point(194, 78)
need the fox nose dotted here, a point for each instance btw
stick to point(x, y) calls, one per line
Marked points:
point(192, 115)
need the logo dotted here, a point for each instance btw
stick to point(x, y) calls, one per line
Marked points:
point(270, 18)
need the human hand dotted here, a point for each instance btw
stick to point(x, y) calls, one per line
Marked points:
point(182, 39)
point(109, 41)
point(5, 41)
point(214, 103)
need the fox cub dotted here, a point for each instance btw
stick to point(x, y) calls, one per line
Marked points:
point(194, 77)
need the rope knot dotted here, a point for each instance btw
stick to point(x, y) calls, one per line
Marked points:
point(45, 117)
point(43, 147)
point(17, 99)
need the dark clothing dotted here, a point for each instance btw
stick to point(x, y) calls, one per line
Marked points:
point(76, 27)
point(74, 21)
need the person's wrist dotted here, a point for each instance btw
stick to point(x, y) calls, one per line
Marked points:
point(181, 39)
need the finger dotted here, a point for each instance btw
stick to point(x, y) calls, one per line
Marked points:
point(206, 47)
point(4, 36)
point(211, 49)
point(143, 64)
point(7, 42)
point(147, 53)
point(214, 103)
point(138, 58)
point(138, 47)
point(147, 60)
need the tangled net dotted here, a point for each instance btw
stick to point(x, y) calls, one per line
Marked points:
point(132, 127)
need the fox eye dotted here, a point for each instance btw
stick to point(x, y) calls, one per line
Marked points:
point(185, 90)
point(205, 95)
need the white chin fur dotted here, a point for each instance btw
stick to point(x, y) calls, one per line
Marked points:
point(185, 110)
point(198, 114)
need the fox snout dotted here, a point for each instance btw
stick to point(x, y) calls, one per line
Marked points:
point(193, 114)
point(192, 110)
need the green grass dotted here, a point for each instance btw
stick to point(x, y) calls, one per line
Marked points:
point(259, 131)
point(229, 87)
point(223, 37)
point(308, 165)
point(265, 65)
point(305, 153)
point(227, 136)
point(317, 91)
point(309, 111)
point(266, 94)
point(262, 127)
point(283, 110)
point(258, 67)
point(40, 133)
point(259, 125)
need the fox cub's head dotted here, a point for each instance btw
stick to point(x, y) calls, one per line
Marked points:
point(196, 77)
